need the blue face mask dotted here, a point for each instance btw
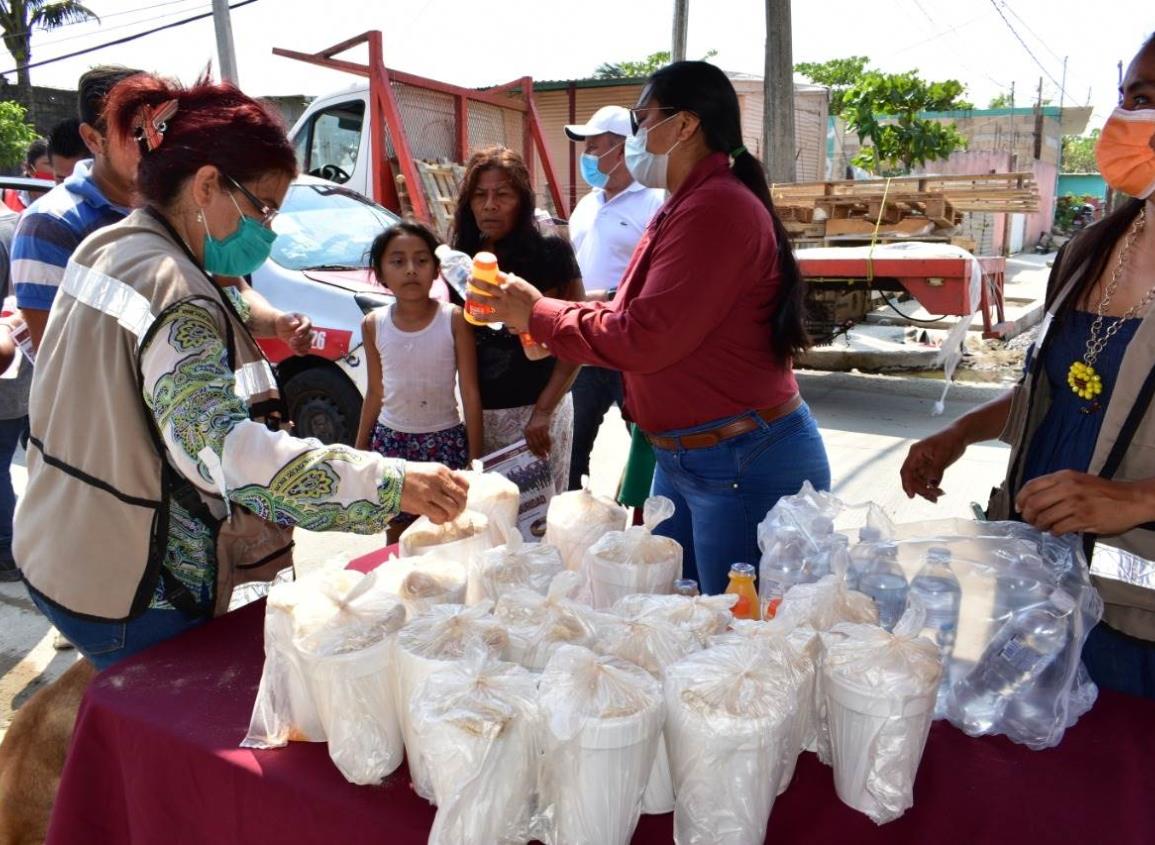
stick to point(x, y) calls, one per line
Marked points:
point(590, 172)
point(240, 253)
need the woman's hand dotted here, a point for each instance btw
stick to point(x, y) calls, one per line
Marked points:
point(296, 330)
point(927, 460)
point(1067, 501)
point(511, 301)
point(433, 490)
point(537, 432)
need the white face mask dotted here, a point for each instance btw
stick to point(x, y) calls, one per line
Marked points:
point(649, 169)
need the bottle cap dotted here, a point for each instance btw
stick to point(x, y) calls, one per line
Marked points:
point(869, 534)
point(746, 570)
point(485, 259)
point(686, 587)
point(1062, 600)
point(939, 554)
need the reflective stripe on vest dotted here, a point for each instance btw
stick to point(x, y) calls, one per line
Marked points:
point(131, 310)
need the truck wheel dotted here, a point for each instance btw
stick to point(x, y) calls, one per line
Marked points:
point(323, 404)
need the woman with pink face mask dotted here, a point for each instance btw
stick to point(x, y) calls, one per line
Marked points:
point(1081, 422)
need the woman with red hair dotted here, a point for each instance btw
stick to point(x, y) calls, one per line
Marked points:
point(172, 479)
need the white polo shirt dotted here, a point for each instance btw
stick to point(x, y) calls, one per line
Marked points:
point(604, 234)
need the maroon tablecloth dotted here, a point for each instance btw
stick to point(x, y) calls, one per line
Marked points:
point(155, 760)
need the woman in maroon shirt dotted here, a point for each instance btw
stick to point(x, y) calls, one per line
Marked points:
point(704, 327)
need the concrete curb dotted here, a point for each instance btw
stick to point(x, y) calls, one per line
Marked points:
point(813, 381)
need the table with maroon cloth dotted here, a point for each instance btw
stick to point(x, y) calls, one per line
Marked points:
point(155, 759)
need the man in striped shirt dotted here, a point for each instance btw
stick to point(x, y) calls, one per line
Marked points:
point(99, 192)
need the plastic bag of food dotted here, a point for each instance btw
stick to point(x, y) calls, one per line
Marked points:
point(460, 539)
point(538, 624)
point(284, 710)
point(729, 727)
point(823, 604)
point(498, 498)
point(439, 636)
point(635, 560)
point(603, 717)
point(348, 660)
point(423, 581)
point(652, 643)
point(880, 691)
point(578, 519)
point(516, 564)
point(479, 724)
point(704, 616)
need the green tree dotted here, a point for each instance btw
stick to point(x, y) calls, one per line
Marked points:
point(15, 134)
point(19, 17)
point(637, 69)
point(1079, 153)
point(839, 75)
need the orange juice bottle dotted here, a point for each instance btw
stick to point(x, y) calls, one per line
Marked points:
point(533, 350)
point(484, 268)
point(742, 585)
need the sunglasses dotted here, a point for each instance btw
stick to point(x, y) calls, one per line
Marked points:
point(639, 114)
point(268, 214)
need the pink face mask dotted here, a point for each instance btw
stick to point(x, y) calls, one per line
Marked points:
point(1126, 152)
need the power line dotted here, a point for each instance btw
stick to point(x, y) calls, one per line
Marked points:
point(1014, 32)
point(125, 39)
point(1027, 27)
point(952, 31)
point(103, 29)
point(99, 20)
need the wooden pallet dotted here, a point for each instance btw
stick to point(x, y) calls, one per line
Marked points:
point(441, 184)
point(987, 192)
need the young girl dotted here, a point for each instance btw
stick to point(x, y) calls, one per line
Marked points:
point(424, 349)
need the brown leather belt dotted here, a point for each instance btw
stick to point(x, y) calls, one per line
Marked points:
point(714, 436)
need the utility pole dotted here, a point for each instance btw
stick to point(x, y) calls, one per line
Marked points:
point(225, 51)
point(1039, 122)
point(681, 21)
point(778, 94)
point(1063, 86)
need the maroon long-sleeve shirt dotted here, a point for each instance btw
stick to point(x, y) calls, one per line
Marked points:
point(690, 325)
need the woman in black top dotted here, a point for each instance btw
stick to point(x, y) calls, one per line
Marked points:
point(519, 397)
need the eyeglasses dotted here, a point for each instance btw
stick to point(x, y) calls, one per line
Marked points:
point(636, 120)
point(268, 213)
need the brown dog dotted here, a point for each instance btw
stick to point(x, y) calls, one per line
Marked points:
point(32, 756)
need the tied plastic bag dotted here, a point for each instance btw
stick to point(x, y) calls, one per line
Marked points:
point(823, 604)
point(729, 727)
point(515, 565)
point(459, 539)
point(348, 663)
point(423, 581)
point(284, 710)
point(578, 519)
point(441, 635)
point(703, 616)
point(479, 724)
point(538, 624)
point(498, 498)
point(652, 643)
point(602, 717)
point(880, 691)
point(635, 560)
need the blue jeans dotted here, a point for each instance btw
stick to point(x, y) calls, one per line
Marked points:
point(723, 492)
point(10, 431)
point(105, 643)
point(1118, 662)
point(594, 391)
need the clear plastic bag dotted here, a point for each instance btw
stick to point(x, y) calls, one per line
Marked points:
point(603, 717)
point(538, 624)
point(423, 581)
point(511, 566)
point(578, 519)
point(348, 663)
point(880, 691)
point(284, 710)
point(460, 539)
point(635, 560)
point(704, 616)
point(730, 726)
point(480, 726)
point(498, 498)
point(441, 635)
point(823, 604)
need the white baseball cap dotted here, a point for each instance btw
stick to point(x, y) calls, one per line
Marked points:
point(614, 119)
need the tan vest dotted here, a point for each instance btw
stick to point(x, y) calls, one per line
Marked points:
point(91, 529)
point(1127, 607)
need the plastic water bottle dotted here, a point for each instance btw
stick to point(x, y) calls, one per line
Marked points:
point(824, 544)
point(1020, 585)
point(885, 582)
point(457, 270)
point(780, 571)
point(686, 587)
point(862, 554)
point(1019, 653)
point(938, 588)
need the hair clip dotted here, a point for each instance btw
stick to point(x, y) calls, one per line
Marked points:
point(152, 123)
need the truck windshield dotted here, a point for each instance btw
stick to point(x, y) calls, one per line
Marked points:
point(325, 226)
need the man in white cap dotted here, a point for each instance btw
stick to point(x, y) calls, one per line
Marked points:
point(604, 228)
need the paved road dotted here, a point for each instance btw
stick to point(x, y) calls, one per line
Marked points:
point(868, 423)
